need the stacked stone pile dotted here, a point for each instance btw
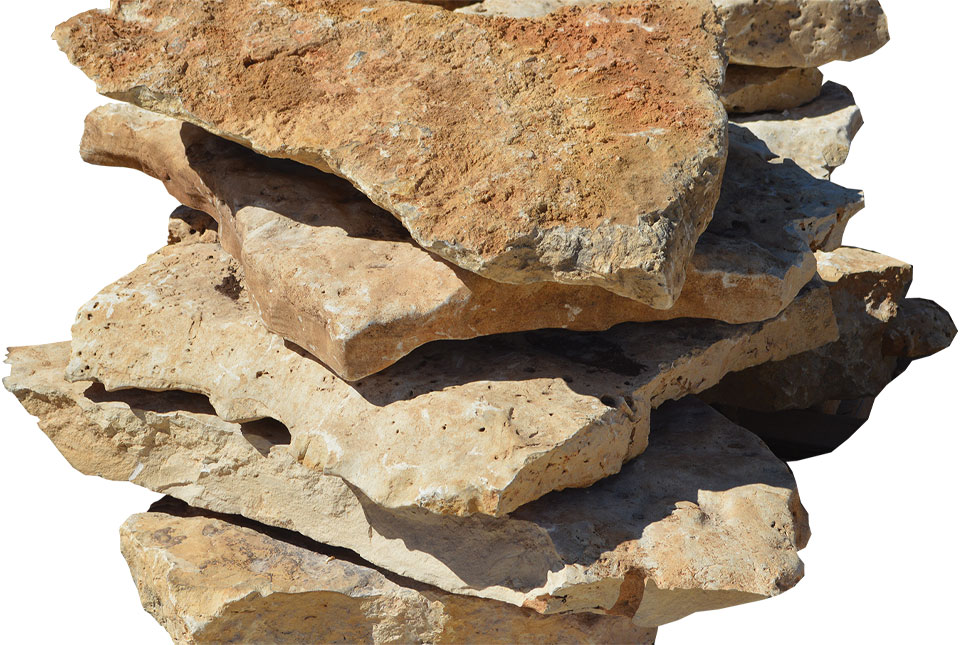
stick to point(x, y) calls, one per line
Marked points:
point(474, 319)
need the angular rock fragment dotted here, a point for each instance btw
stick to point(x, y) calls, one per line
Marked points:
point(458, 428)
point(881, 331)
point(458, 125)
point(664, 538)
point(333, 274)
point(763, 89)
point(771, 33)
point(816, 137)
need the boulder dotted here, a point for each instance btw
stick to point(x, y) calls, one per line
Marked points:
point(334, 274)
point(458, 125)
point(763, 89)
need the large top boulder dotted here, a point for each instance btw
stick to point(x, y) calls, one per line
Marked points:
point(583, 147)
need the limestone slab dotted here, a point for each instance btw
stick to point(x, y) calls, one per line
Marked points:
point(769, 33)
point(664, 538)
point(210, 578)
point(334, 274)
point(459, 427)
point(458, 125)
point(816, 136)
point(881, 331)
point(748, 88)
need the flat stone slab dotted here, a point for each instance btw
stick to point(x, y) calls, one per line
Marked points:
point(881, 331)
point(750, 89)
point(816, 136)
point(334, 274)
point(458, 125)
point(772, 33)
point(690, 538)
point(210, 578)
point(460, 427)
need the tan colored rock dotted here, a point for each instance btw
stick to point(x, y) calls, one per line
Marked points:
point(691, 538)
point(761, 89)
point(462, 427)
point(769, 33)
point(210, 578)
point(816, 137)
point(330, 272)
point(189, 226)
point(881, 331)
point(458, 125)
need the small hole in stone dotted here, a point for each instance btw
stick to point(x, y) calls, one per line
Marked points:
point(264, 434)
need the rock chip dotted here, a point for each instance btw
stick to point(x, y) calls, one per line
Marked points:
point(816, 137)
point(664, 538)
point(458, 125)
point(210, 578)
point(333, 274)
point(763, 89)
point(881, 331)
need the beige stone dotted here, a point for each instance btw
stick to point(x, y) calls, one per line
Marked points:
point(816, 137)
point(881, 331)
point(762, 89)
point(331, 273)
point(691, 538)
point(461, 427)
point(210, 578)
point(456, 124)
point(768, 33)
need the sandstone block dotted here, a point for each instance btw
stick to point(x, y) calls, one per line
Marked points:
point(416, 107)
point(762, 89)
point(332, 273)
point(662, 539)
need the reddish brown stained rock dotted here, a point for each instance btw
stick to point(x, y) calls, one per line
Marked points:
point(458, 125)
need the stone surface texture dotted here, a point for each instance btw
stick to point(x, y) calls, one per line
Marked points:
point(816, 137)
point(881, 331)
point(767, 33)
point(456, 124)
point(210, 578)
point(334, 274)
point(763, 89)
point(664, 538)
point(461, 427)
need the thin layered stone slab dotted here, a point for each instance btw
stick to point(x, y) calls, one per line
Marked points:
point(664, 538)
point(457, 125)
point(749, 89)
point(461, 427)
point(210, 578)
point(334, 274)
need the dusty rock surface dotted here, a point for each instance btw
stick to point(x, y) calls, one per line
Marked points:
point(333, 274)
point(456, 124)
point(691, 538)
point(210, 578)
point(816, 137)
point(461, 427)
point(769, 33)
point(881, 331)
point(762, 89)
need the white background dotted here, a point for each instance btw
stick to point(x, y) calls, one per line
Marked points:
point(882, 565)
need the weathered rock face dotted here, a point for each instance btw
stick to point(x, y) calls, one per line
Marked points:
point(880, 333)
point(816, 137)
point(762, 89)
point(690, 538)
point(462, 427)
point(415, 105)
point(333, 274)
point(210, 578)
point(772, 33)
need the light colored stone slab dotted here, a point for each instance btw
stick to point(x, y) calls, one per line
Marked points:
point(762, 89)
point(692, 538)
point(881, 331)
point(333, 274)
point(816, 137)
point(458, 125)
point(461, 427)
point(768, 33)
point(211, 578)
